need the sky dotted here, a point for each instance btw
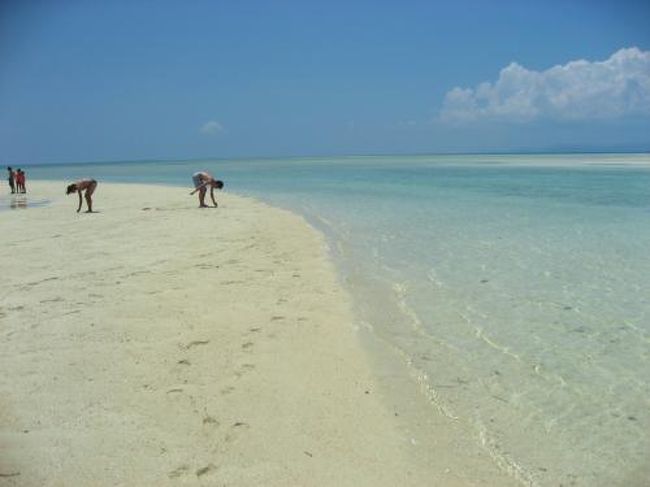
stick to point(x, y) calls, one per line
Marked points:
point(85, 81)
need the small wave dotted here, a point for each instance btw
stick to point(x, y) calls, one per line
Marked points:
point(640, 332)
point(502, 459)
point(505, 350)
point(401, 291)
point(433, 278)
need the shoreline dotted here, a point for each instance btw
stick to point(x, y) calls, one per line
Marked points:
point(155, 343)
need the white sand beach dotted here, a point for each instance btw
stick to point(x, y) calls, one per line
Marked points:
point(153, 343)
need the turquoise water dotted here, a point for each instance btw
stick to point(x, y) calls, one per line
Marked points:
point(516, 288)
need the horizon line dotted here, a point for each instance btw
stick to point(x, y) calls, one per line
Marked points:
point(317, 156)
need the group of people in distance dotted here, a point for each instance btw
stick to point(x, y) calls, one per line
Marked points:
point(202, 181)
point(16, 180)
point(86, 187)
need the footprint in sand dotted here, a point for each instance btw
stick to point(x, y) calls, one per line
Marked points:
point(235, 430)
point(207, 469)
point(10, 474)
point(209, 254)
point(206, 266)
point(244, 369)
point(135, 273)
point(177, 472)
point(209, 420)
point(194, 343)
point(53, 300)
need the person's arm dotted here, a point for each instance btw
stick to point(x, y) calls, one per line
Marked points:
point(199, 187)
point(212, 196)
point(79, 208)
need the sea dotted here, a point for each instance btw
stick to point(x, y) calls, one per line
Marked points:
point(515, 287)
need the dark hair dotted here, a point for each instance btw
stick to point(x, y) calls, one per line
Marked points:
point(219, 184)
point(9, 168)
point(71, 188)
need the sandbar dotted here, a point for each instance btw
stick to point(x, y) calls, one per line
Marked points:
point(155, 343)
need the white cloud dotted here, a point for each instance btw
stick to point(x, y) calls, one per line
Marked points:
point(578, 90)
point(211, 127)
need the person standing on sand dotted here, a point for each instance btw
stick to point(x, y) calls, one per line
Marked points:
point(17, 178)
point(11, 177)
point(20, 181)
point(201, 181)
point(89, 186)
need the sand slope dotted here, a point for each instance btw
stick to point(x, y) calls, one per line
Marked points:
point(155, 343)
point(173, 345)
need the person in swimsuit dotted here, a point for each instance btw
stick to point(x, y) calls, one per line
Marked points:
point(201, 181)
point(11, 176)
point(87, 185)
point(20, 181)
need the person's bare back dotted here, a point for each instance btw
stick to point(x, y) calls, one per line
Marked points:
point(201, 181)
point(87, 185)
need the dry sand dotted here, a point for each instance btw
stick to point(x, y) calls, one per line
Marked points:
point(153, 343)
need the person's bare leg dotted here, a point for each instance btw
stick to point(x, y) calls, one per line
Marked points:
point(89, 200)
point(202, 192)
point(214, 202)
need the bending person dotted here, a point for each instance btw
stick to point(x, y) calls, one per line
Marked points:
point(201, 181)
point(87, 185)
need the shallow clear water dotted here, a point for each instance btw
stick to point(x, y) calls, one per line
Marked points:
point(517, 288)
point(20, 201)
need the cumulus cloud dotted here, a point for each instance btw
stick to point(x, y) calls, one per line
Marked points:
point(211, 127)
point(578, 90)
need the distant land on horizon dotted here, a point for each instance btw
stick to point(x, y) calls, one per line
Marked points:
point(558, 151)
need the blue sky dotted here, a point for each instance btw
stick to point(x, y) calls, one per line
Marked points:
point(90, 81)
